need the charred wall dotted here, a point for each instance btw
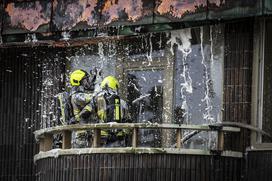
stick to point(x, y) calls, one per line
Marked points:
point(50, 17)
point(238, 79)
point(19, 100)
point(21, 74)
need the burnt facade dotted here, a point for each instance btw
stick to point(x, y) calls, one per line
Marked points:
point(211, 55)
point(20, 94)
point(49, 18)
point(237, 77)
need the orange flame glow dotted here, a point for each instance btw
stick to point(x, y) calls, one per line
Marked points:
point(177, 8)
point(133, 9)
point(28, 18)
point(80, 11)
point(217, 2)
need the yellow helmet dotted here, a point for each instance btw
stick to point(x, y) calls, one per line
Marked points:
point(77, 76)
point(110, 82)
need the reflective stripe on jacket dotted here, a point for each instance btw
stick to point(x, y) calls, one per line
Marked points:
point(114, 110)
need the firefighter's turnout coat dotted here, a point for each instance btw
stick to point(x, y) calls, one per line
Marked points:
point(109, 107)
point(82, 111)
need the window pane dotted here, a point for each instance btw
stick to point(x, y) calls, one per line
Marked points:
point(267, 84)
point(145, 97)
point(198, 80)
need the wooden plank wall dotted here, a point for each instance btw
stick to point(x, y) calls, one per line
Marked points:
point(21, 73)
point(238, 79)
point(139, 167)
point(19, 106)
point(259, 165)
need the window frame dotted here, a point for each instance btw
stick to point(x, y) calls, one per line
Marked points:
point(257, 84)
point(164, 63)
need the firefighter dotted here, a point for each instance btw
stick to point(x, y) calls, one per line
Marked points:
point(109, 107)
point(82, 91)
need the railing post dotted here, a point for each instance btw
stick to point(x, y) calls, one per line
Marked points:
point(96, 138)
point(134, 137)
point(220, 140)
point(46, 142)
point(179, 137)
point(66, 139)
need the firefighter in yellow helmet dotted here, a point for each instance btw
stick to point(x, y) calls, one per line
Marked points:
point(111, 108)
point(82, 91)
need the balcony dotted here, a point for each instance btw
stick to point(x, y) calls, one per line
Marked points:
point(135, 162)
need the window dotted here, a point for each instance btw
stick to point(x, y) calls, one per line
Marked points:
point(267, 82)
point(147, 71)
point(198, 79)
point(262, 116)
